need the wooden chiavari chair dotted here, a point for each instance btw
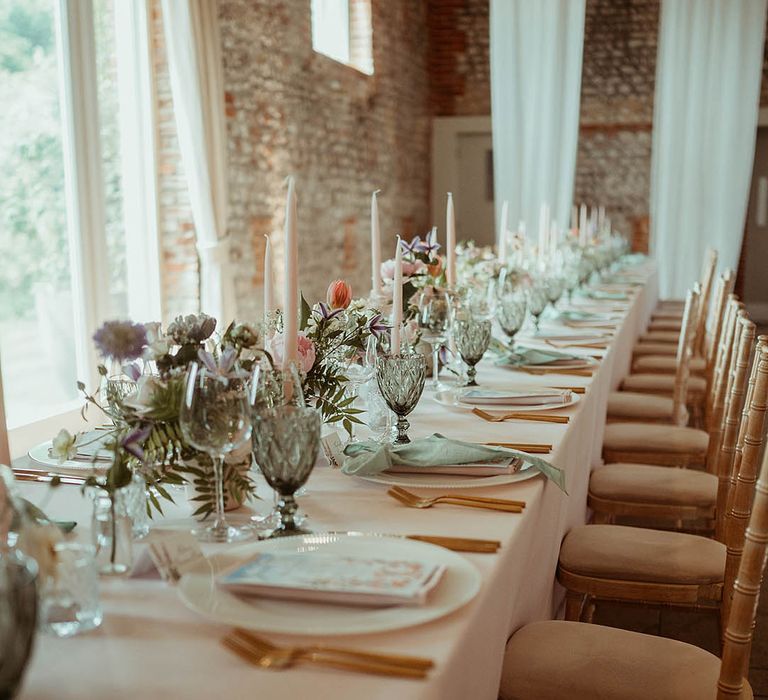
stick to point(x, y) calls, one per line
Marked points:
point(5, 451)
point(661, 567)
point(555, 659)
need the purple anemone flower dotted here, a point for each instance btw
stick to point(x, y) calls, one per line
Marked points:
point(325, 313)
point(411, 247)
point(429, 245)
point(377, 327)
point(225, 364)
point(133, 443)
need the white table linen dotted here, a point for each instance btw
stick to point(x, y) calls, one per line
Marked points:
point(151, 646)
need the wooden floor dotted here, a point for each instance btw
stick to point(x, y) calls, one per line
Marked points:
point(699, 628)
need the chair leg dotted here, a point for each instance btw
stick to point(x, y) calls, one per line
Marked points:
point(588, 613)
point(573, 605)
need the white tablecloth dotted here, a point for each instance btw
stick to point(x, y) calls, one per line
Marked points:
point(151, 646)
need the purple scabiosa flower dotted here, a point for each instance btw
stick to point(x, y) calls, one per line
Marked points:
point(121, 340)
point(377, 327)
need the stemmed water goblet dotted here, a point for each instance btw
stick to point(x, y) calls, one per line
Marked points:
point(472, 335)
point(401, 383)
point(286, 441)
point(434, 319)
point(537, 301)
point(214, 418)
point(511, 311)
point(554, 286)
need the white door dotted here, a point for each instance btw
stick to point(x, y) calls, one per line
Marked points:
point(474, 195)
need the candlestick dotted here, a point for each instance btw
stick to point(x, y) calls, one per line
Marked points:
point(269, 289)
point(502, 246)
point(291, 279)
point(375, 246)
point(583, 224)
point(397, 301)
point(450, 242)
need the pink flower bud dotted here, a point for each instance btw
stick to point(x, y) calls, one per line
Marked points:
point(339, 294)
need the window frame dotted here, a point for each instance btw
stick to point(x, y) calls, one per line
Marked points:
point(84, 187)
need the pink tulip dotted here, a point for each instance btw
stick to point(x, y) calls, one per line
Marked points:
point(339, 294)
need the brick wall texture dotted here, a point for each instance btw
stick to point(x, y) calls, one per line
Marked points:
point(342, 133)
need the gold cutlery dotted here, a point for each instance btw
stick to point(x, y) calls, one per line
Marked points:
point(417, 502)
point(464, 497)
point(265, 655)
point(46, 477)
point(554, 370)
point(574, 389)
point(534, 448)
point(595, 346)
point(518, 415)
point(457, 544)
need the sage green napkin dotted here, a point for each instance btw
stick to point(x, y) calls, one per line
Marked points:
point(533, 356)
point(370, 458)
point(612, 296)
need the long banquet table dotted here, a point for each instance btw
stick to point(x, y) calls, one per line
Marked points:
point(151, 646)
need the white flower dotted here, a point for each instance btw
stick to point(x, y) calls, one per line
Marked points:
point(63, 446)
point(158, 344)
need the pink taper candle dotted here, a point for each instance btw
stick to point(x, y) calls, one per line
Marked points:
point(397, 300)
point(291, 279)
point(450, 242)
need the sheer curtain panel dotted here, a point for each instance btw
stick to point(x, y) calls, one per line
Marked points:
point(195, 65)
point(536, 51)
point(707, 93)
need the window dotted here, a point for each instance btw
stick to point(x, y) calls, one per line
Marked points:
point(342, 30)
point(76, 193)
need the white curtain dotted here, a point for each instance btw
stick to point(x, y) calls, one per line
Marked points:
point(705, 119)
point(536, 51)
point(195, 66)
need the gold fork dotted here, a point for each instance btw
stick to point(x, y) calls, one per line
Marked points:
point(517, 415)
point(279, 658)
point(463, 497)
point(417, 502)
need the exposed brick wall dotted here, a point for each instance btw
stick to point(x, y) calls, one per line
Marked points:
point(459, 63)
point(613, 165)
point(179, 276)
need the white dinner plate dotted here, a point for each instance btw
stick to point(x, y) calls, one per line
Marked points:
point(445, 481)
point(71, 467)
point(449, 399)
point(460, 583)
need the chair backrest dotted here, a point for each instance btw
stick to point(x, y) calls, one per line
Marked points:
point(737, 390)
point(742, 605)
point(738, 513)
point(715, 390)
point(707, 276)
point(5, 450)
point(684, 354)
point(723, 289)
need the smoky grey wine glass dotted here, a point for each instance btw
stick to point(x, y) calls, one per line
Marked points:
point(401, 382)
point(286, 441)
point(472, 337)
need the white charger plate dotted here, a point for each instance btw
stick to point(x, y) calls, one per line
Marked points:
point(445, 481)
point(198, 590)
point(449, 399)
point(40, 454)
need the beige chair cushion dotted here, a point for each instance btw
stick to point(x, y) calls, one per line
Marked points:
point(556, 660)
point(650, 437)
point(644, 483)
point(661, 384)
point(622, 553)
point(660, 337)
point(626, 404)
point(665, 324)
point(666, 364)
point(646, 348)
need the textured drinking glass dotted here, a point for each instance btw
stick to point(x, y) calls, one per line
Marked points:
point(112, 534)
point(554, 286)
point(215, 418)
point(434, 320)
point(18, 615)
point(511, 311)
point(537, 301)
point(69, 596)
point(286, 441)
point(401, 382)
point(472, 337)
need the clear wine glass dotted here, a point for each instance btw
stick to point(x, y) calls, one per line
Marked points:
point(358, 371)
point(214, 418)
point(286, 441)
point(434, 319)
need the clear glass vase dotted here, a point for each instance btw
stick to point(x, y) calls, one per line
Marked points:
point(112, 531)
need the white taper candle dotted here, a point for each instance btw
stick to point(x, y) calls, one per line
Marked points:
point(397, 301)
point(450, 242)
point(291, 279)
point(375, 245)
